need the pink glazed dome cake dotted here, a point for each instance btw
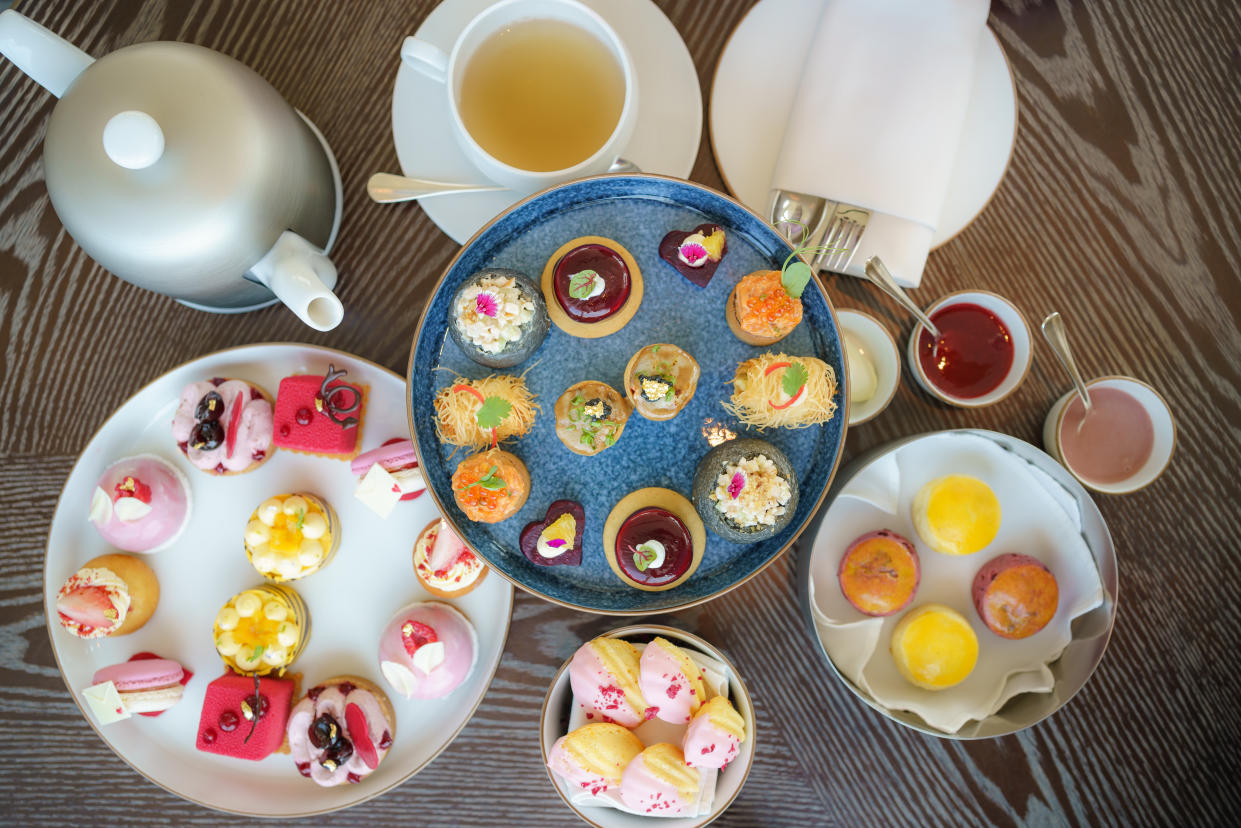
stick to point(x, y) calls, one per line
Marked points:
point(141, 504)
point(427, 650)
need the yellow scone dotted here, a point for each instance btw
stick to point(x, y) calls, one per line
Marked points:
point(934, 647)
point(956, 515)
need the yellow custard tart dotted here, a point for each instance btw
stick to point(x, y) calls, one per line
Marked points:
point(292, 535)
point(262, 630)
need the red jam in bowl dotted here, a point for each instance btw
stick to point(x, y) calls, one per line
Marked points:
point(974, 353)
point(608, 265)
point(654, 523)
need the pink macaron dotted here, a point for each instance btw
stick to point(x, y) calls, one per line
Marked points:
point(149, 685)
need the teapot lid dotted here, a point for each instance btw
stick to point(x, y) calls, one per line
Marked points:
point(170, 163)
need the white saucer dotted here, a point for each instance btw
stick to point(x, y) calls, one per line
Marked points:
point(753, 91)
point(665, 141)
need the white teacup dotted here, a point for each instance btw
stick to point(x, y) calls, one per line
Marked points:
point(448, 69)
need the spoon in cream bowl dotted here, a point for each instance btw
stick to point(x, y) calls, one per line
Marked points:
point(1056, 334)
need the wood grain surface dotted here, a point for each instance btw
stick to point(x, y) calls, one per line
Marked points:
point(1122, 209)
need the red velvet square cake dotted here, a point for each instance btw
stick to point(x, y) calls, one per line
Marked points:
point(230, 709)
point(319, 414)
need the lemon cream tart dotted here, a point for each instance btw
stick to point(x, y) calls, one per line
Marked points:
point(292, 535)
point(262, 629)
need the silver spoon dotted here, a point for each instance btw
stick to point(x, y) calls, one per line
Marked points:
point(879, 275)
point(1058, 338)
point(386, 188)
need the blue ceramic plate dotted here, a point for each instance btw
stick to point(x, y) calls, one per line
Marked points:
point(636, 211)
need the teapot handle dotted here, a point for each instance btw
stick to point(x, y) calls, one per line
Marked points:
point(51, 61)
point(301, 277)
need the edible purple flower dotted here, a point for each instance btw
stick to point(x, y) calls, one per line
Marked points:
point(486, 305)
point(736, 485)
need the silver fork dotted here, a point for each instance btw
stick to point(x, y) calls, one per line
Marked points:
point(840, 241)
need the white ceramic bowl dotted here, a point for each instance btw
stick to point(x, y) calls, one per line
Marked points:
point(554, 719)
point(1012, 318)
point(1161, 418)
point(879, 346)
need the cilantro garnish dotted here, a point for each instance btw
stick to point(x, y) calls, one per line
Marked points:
point(793, 379)
point(492, 412)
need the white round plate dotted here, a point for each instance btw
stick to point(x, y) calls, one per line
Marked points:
point(350, 601)
point(755, 84)
point(665, 140)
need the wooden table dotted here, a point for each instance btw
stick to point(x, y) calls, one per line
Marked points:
point(1122, 208)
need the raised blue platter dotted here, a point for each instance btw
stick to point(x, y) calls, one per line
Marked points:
point(636, 211)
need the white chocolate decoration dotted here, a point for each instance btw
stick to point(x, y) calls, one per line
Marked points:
point(429, 656)
point(105, 702)
point(100, 507)
point(400, 677)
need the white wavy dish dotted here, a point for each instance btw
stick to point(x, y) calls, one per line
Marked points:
point(665, 140)
point(350, 600)
point(1041, 518)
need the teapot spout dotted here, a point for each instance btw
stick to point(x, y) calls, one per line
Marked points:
point(51, 61)
point(301, 277)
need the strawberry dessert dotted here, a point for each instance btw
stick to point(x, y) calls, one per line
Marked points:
point(141, 504)
point(245, 716)
point(320, 414)
point(444, 565)
point(110, 595)
point(427, 650)
point(341, 730)
point(224, 426)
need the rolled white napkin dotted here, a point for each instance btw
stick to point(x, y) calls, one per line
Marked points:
point(877, 120)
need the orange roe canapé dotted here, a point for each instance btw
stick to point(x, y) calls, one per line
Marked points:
point(490, 486)
point(764, 308)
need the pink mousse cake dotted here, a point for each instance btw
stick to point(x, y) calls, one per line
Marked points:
point(223, 426)
point(340, 731)
point(427, 650)
point(141, 504)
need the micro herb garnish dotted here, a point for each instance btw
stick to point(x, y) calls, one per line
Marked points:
point(582, 283)
point(489, 481)
point(795, 275)
point(643, 556)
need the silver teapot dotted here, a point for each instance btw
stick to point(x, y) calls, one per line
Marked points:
point(184, 172)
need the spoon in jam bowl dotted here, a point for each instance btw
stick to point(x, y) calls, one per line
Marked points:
point(1057, 337)
point(878, 273)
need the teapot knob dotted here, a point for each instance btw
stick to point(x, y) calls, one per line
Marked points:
point(133, 140)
